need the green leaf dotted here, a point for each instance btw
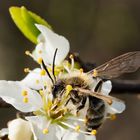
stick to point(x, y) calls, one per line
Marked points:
point(26, 20)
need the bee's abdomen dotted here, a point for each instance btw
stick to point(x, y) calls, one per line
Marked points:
point(95, 113)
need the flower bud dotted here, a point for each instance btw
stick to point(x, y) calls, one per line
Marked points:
point(19, 129)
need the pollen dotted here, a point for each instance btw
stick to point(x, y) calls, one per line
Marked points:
point(113, 117)
point(94, 132)
point(41, 92)
point(42, 72)
point(68, 89)
point(45, 131)
point(37, 81)
point(25, 100)
point(40, 51)
point(26, 70)
point(27, 52)
point(24, 93)
point(95, 73)
point(71, 56)
point(39, 60)
point(77, 128)
point(81, 70)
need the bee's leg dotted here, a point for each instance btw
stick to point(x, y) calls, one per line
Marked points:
point(81, 104)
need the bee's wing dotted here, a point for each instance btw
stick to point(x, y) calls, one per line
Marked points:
point(128, 62)
point(115, 105)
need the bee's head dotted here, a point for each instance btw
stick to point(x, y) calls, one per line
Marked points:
point(58, 87)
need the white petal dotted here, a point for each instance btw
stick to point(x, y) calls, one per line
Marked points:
point(38, 124)
point(11, 93)
point(3, 132)
point(86, 137)
point(106, 87)
point(34, 80)
point(116, 107)
point(52, 41)
point(19, 129)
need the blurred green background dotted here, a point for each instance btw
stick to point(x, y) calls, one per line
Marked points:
point(98, 29)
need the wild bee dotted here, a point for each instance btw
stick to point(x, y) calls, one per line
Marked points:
point(82, 83)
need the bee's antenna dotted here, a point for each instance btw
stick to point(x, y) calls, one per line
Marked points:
point(53, 66)
point(44, 66)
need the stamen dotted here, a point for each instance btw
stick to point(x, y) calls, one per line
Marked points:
point(42, 72)
point(25, 100)
point(94, 132)
point(27, 52)
point(26, 70)
point(24, 93)
point(77, 128)
point(41, 92)
point(81, 70)
point(72, 61)
point(95, 73)
point(113, 117)
point(37, 81)
point(40, 51)
point(45, 131)
point(68, 89)
point(39, 60)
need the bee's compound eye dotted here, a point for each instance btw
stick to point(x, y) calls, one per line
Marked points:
point(57, 89)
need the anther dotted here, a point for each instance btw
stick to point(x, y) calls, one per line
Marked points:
point(37, 81)
point(113, 117)
point(24, 93)
point(71, 56)
point(40, 51)
point(81, 70)
point(39, 60)
point(25, 100)
point(94, 132)
point(26, 70)
point(45, 131)
point(69, 88)
point(42, 72)
point(41, 92)
point(27, 52)
point(95, 73)
point(77, 128)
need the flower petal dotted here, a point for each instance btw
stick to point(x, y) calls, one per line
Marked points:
point(19, 129)
point(11, 93)
point(50, 42)
point(3, 132)
point(38, 124)
point(34, 80)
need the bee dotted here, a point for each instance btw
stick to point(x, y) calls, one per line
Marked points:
point(82, 93)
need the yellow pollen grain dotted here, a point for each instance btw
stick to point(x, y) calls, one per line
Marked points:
point(95, 73)
point(37, 81)
point(25, 100)
point(39, 60)
point(41, 92)
point(49, 69)
point(71, 56)
point(69, 88)
point(85, 120)
point(45, 131)
point(24, 93)
point(113, 117)
point(81, 70)
point(26, 70)
point(42, 72)
point(94, 132)
point(27, 52)
point(77, 128)
point(39, 51)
